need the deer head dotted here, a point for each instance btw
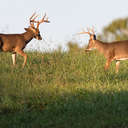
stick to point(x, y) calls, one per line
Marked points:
point(91, 44)
point(34, 29)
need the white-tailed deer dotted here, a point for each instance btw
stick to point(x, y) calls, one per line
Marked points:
point(117, 50)
point(15, 43)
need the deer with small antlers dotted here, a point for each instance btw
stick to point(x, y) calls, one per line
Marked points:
point(113, 51)
point(15, 43)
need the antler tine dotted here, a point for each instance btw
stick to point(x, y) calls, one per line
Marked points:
point(92, 30)
point(42, 20)
point(35, 18)
point(32, 19)
point(44, 15)
point(89, 30)
point(47, 19)
point(84, 32)
point(32, 16)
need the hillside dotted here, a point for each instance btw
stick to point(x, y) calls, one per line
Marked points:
point(63, 90)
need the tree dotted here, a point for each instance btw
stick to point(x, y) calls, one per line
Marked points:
point(116, 30)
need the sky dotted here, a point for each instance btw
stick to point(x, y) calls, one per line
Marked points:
point(67, 17)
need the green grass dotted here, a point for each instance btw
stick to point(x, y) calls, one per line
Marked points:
point(63, 90)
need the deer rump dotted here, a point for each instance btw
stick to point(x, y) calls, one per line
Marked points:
point(8, 42)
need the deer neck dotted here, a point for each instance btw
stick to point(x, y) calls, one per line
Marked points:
point(28, 36)
point(100, 46)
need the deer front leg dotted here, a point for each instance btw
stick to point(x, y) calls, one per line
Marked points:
point(14, 59)
point(107, 64)
point(117, 66)
point(20, 52)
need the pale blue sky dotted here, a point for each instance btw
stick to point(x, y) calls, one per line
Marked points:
point(67, 17)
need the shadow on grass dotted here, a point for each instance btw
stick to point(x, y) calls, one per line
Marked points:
point(79, 109)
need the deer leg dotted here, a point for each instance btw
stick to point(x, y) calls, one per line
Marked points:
point(117, 66)
point(107, 64)
point(24, 55)
point(14, 58)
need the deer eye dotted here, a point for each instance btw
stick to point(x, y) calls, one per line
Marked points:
point(38, 34)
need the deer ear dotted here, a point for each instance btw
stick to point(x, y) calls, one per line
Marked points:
point(94, 37)
point(26, 29)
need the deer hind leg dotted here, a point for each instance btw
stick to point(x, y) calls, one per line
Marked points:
point(107, 64)
point(14, 58)
point(117, 66)
point(20, 52)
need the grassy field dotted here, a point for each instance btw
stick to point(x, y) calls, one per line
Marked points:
point(63, 90)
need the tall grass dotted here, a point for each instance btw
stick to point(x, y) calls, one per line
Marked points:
point(63, 90)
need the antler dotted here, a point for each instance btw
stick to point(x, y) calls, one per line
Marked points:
point(84, 32)
point(34, 16)
point(89, 31)
point(43, 20)
point(92, 30)
point(32, 19)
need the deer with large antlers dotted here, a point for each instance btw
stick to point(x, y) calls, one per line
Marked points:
point(15, 43)
point(113, 51)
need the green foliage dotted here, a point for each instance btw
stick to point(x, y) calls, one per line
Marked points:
point(62, 90)
point(115, 30)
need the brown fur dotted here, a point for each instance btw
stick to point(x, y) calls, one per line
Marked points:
point(15, 43)
point(117, 50)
